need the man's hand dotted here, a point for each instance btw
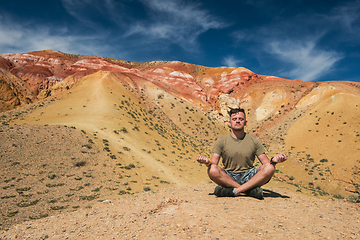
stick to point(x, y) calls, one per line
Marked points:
point(202, 159)
point(279, 158)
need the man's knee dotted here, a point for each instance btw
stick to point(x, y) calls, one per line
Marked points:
point(268, 169)
point(214, 171)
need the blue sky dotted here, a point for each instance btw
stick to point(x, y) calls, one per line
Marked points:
point(315, 40)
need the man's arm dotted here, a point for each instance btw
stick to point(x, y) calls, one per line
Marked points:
point(263, 159)
point(276, 159)
point(204, 160)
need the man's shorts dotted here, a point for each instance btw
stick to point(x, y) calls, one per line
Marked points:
point(243, 177)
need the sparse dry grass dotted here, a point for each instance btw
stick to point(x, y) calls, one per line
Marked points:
point(121, 144)
point(47, 159)
point(72, 165)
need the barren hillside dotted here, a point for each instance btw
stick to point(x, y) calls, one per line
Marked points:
point(77, 129)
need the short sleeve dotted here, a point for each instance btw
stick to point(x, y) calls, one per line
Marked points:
point(218, 146)
point(259, 147)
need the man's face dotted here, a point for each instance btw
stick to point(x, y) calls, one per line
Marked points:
point(237, 121)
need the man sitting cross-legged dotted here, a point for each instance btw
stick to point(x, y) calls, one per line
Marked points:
point(238, 150)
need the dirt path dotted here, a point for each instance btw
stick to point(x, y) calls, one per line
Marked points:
point(191, 213)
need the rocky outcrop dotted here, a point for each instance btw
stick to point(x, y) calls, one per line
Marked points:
point(8, 98)
point(13, 92)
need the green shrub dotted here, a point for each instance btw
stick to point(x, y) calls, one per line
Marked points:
point(52, 176)
point(89, 198)
point(338, 196)
point(40, 216)
point(57, 207)
point(354, 199)
point(23, 189)
point(55, 185)
point(122, 192)
point(96, 189)
point(130, 166)
point(124, 130)
point(25, 204)
point(80, 164)
point(11, 214)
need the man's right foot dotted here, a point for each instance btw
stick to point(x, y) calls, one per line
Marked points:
point(256, 193)
point(224, 191)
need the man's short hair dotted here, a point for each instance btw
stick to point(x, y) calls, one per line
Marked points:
point(236, 110)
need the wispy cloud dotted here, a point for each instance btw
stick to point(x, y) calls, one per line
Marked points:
point(169, 22)
point(95, 13)
point(347, 18)
point(231, 61)
point(18, 37)
point(162, 24)
point(176, 21)
point(308, 62)
point(299, 44)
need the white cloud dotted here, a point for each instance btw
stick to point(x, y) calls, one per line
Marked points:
point(17, 37)
point(309, 62)
point(89, 12)
point(168, 22)
point(76, 8)
point(240, 36)
point(348, 17)
point(231, 61)
point(176, 21)
point(304, 46)
point(189, 14)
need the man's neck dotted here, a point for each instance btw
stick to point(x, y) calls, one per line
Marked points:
point(238, 134)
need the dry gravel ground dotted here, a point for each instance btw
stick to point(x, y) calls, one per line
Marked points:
point(47, 170)
point(45, 159)
point(192, 213)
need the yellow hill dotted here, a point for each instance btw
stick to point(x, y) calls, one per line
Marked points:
point(122, 124)
point(325, 142)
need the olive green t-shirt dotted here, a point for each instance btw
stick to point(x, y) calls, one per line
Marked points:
point(238, 155)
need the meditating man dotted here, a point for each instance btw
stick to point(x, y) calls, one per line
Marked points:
point(238, 150)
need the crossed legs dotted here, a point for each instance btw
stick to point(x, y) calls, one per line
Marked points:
point(220, 177)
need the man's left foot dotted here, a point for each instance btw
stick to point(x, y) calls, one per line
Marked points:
point(224, 192)
point(256, 193)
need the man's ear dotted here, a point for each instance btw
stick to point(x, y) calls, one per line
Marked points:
point(245, 123)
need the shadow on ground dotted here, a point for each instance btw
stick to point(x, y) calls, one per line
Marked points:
point(271, 194)
point(267, 194)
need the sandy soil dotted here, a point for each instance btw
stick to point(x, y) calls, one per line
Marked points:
point(89, 180)
point(192, 213)
point(169, 212)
